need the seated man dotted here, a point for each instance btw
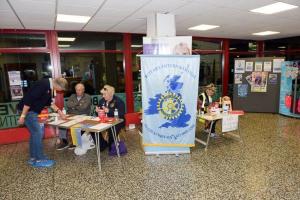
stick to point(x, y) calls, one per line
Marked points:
point(78, 104)
point(109, 103)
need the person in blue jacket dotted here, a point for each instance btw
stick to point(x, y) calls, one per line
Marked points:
point(39, 96)
point(109, 103)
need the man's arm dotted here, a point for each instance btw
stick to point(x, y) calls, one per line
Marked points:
point(23, 114)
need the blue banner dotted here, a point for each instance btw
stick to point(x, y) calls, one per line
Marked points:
point(169, 100)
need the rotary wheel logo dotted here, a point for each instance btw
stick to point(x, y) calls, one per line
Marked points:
point(170, 105)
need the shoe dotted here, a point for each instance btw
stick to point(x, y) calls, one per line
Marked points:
point(62, 146)
point(213, 135)
point(206, 130)
point(71, 147)
point(31, 161)
point(43, 163)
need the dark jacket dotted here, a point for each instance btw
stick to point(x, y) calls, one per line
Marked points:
point(115, 103)
point(81, 107)
point(37, 97)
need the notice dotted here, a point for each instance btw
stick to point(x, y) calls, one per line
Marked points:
point(273, 79)
point(277, 65)
point(258, 66)
point(268, 66)
point(259, 82)
point(239, 66)
point(238, 78)
point(243, 90)
point(249, 66)
point(230, 123)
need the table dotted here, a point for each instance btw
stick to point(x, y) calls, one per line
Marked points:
point(98, 130)
point(212, 119)
point(90, 124)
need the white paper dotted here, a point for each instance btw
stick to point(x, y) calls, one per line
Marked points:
point(239, 66)
point(267, 66)
point(57, 122)
point(258, 66)
point(101, 126)
point(70, 123)
point(249, 66)
point(80, 117)
point(230, 123)
point(277, 65)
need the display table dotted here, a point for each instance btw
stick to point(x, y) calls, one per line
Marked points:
point(89, 124)
point(226, 118)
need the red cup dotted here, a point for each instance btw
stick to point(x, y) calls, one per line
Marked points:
point(101, 115)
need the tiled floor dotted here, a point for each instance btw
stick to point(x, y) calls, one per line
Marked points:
point(265, 166)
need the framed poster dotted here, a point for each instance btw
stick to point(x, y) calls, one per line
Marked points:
point(239, 66)
point(267, 66)
point(277, 65)
point(249, 66)
point(238, 78)
point(258, 66)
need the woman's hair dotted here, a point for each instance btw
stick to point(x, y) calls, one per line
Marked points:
point(210, 86)
point(62, 83)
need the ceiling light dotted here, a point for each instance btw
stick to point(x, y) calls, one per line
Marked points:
point(66, 39)
point(232, 49)
point(266, 33)
point(136, 46)
point(274, 8)
point(72, 18)
point(282, 47)
point(64, 45)
point(203, 27)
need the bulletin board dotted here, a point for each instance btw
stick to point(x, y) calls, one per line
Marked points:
point(257, 84)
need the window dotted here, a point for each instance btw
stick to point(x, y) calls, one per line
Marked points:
point(94, 70)
point(206, 45)
point(90, 40)
point(242, 45)
point(29, 67)
point(210, 69)
point(9, 40)
point(282, 44)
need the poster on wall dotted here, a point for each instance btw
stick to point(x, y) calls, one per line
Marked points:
point(16, 92)
point(15, 84)
point(258, 66)
point(249, 79)
point(238, 78)
point(277, 65)
point(242, 90)
point(273, 79)
point(249, 66)
point(239, 66)
point(267, 66)
point(180, 45)
point(259, 82)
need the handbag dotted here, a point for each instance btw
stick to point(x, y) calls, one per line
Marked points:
point(122, 149)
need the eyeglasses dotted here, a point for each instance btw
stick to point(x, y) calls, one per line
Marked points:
point(105, 89)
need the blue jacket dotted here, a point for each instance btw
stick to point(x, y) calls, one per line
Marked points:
point(37, 97)
point(115, 103)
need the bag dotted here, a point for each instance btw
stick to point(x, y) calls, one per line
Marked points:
point(122, 149)
point(86, 144)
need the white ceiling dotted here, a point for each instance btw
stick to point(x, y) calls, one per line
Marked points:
point(232, 16)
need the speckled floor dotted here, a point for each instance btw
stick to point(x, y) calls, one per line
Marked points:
point(266, 165)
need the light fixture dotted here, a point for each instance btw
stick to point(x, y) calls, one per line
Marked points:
point(232, 49)
point(282, 47)
point(72, 18)
point(274, 8)
point(66, 39)
point(203, 27)
point(266, 33)
point(64, 45)
point(136, 45)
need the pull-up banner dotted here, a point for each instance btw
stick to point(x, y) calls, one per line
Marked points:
point(169, 99)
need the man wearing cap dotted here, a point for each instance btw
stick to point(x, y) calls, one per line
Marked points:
point(109, 103)
point(35, 100)
point(205, 101)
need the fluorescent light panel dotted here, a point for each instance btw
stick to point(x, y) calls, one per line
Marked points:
point(66, 39)
point(136, 45)
point(274, 8)
point(64, 45)
point(72, 18)
point(266, 33)
point(203, 27)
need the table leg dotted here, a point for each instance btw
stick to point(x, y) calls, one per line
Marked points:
point(114, 133)
point(98, 149)
point(208, 136)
